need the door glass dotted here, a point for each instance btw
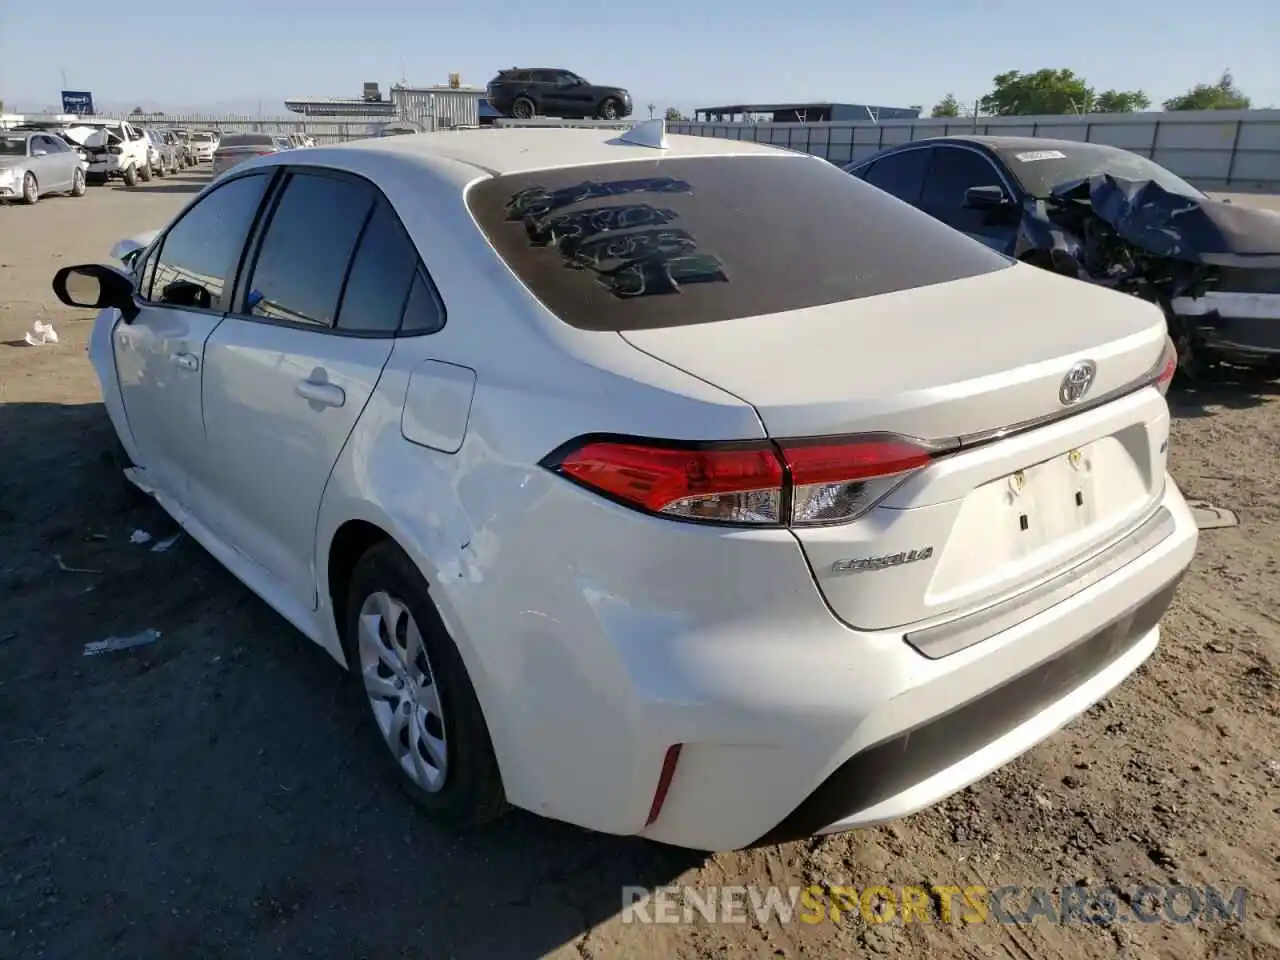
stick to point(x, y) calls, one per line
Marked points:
point(307, 249)
point(424, 311)
point(901, 174)
point(202, 249)
point(380, 276)
point(953, 172)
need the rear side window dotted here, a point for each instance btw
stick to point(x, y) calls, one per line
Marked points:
point(378, 286)
point(308, 244)
point(901, 174)
point(661, 243)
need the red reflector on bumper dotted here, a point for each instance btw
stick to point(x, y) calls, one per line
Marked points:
point(664, 782)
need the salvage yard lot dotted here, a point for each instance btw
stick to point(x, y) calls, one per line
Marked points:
point(212, 794)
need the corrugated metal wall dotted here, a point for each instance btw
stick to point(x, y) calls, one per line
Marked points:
point(438, 108)
point(1214, 149)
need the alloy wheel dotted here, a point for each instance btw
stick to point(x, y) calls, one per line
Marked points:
point(401, 687)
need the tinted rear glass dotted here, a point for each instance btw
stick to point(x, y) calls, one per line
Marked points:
point(1041, 169)
point(662, 243)
point(246, 140)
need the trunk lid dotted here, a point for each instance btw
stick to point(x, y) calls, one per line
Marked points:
point(967, 359)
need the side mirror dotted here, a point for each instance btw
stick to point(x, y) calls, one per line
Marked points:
point(39, 152)
point(94, 286)
point(184, 293)
point(986, 198)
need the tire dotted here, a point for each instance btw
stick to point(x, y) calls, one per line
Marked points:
point(610, 109)
point(145, 173)
point(130, 176)
point(78, 188)
point(523, 109)
point(1193, 363)
point(386, 586)
point(160, 171)
point(30, 189)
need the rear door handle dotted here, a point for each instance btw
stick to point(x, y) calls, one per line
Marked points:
point(329, 394)
point(186, 361)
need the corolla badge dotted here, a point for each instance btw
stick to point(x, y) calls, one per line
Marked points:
point(1077, 382)
point(863, 564)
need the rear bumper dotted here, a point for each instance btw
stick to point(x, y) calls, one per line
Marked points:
point(1245, 325)
point(870, 730)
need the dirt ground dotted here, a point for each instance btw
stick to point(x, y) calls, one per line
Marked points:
point(212, 794)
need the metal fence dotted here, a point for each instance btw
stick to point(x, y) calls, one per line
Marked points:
point(1216, 150)
point(323, 129)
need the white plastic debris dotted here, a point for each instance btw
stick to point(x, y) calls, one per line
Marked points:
point(139, 537)
point(41, 333)
point(163, 545)
point(112, 644)
point(1209, 517)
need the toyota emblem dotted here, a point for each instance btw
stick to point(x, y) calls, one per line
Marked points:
point(1077, 382)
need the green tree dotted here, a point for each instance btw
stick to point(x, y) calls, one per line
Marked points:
point(135, 112)
point(948, 106)
point(675, 116)
point(1223, 95)
point(1120, 101)
point(1043, 92)
point(1, 104)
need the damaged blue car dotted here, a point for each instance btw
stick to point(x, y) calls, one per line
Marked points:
point(1111, 217)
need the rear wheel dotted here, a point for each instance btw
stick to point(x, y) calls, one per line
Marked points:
point(420, 698)
point(145, 173)
point(77, 183)
point(523, 109)
point(30, 189)
point(130, 176)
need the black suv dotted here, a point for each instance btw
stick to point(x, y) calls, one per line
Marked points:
point(525, 92)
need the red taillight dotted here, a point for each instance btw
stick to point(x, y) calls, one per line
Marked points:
point(739, 483)
point(757, 483)
point(1166, 367)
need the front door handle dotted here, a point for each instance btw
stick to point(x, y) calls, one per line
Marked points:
point(186, 361)
point(329, 394)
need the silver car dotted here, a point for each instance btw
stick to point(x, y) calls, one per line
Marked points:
point(34, 163)
point(235, 148)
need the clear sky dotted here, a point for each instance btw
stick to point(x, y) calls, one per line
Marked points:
point(670, 52)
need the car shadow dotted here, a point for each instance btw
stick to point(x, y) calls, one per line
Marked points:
point(217, 790)
point(1225, 387)
point(166, 187)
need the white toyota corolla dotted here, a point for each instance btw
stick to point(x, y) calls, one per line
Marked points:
point(685, 488)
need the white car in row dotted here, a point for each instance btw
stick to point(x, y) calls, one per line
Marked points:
point(684, 488)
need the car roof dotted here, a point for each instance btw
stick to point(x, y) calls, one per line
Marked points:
point(1016, 143)
point(526, 149)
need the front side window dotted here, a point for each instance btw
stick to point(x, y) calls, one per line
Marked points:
point(951, 174)
point(200, 251)
point(658, 243)
point(307, 248)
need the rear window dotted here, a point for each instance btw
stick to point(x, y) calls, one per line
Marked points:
point(247, 140)
point(664, 243)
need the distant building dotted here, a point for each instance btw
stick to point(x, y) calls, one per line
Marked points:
point(801, 113)
point(427, 108)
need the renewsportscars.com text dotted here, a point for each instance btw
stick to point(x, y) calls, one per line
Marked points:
point(1012, 904)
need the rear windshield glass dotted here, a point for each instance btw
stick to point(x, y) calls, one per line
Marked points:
point(663, 243)
point(202, 136)
point(1042, 169)
point(247, 140)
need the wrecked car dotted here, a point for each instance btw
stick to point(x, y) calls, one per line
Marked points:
point(1111, 217)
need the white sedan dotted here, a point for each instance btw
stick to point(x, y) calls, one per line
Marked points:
point(684, 488)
